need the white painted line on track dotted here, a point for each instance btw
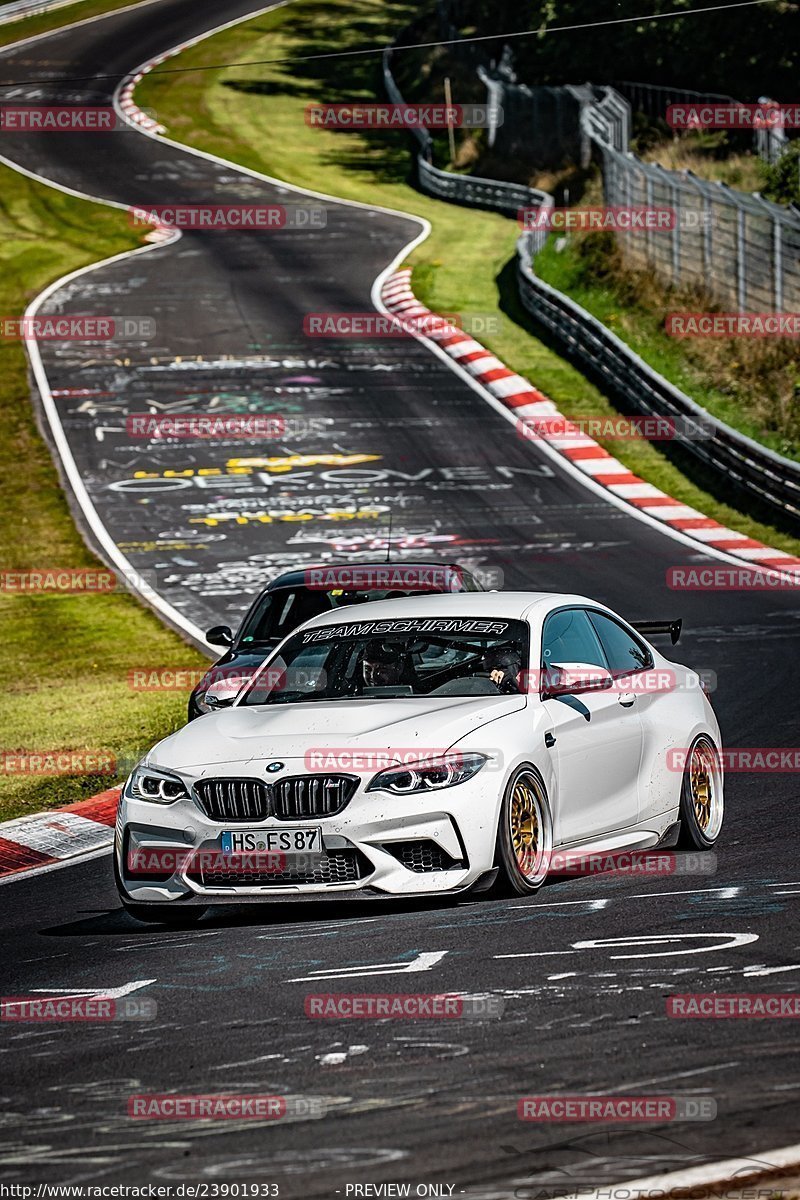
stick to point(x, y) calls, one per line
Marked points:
point(90, 513)
point(425, 960)
point(732, 1170)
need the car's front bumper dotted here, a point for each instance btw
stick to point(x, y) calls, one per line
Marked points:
point(459, 823)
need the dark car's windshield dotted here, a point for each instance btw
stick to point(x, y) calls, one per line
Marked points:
point(416, 656)
point(282, 610)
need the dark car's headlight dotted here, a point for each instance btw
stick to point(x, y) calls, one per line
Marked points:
point(428, 776)
point(159, 787)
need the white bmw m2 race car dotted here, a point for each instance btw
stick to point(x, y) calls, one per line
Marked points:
point(425, 745)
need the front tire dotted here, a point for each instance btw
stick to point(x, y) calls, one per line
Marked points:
point(524, 834)
point(701, 804)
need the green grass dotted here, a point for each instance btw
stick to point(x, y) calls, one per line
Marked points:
point(15, 31)
point(66, 658)
point(254, 115)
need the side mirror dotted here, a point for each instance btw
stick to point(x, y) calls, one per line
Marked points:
point(219, 635)
point(222, 693)
point(573, 679)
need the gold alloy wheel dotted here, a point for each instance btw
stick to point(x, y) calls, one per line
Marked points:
point(702, 783)
point(525, 823)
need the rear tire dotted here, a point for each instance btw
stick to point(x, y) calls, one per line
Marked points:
point(524, 834)
point(701, 804)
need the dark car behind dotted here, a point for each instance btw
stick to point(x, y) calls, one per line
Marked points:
point(297, 596)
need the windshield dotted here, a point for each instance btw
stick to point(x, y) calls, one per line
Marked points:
point(374, 660)
point(282, 610)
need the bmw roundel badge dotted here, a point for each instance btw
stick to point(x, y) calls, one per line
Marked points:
point(275, 766)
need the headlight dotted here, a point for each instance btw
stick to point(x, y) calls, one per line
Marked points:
point(428, 777)
point(159, 787)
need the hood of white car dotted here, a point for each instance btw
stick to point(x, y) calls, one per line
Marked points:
point(291, 731)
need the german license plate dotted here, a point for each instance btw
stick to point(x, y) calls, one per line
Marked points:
point(291, 840)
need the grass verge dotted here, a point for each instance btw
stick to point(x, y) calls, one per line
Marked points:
point(25, 27)
point(254, 115)
point(66, 658)
point(751, 384)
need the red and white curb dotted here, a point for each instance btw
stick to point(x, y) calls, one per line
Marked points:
point(526, 401)
point(51, 837)
point(129, 106)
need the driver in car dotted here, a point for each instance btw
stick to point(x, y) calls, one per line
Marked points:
point(379, 668)
point(504, 664)
point(383, 665)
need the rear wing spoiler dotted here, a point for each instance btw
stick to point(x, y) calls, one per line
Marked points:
point(673, 628)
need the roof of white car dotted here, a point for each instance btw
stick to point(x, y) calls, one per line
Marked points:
point(454, 604)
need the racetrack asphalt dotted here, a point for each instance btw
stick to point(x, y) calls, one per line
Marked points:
point(425, 1101)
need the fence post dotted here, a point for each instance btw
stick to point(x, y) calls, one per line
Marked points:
point(703, 190)
point(777, 264)
point(777, 251)
point(676, 236)
point(741, 278)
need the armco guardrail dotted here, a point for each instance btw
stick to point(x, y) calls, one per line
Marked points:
point(727, 453)
point(462, 189)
